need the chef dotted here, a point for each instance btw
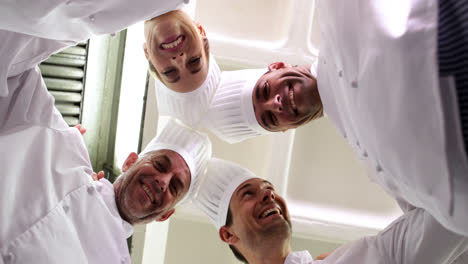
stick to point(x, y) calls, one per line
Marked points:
point(377, 80)
point(178, 50)
point(51, 209)
point(255, 222)
point(39, 29)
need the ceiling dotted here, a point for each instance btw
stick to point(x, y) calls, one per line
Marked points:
point(329, 195)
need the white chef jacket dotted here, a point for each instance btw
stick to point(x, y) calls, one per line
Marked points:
point(33, 30)
point(299, 257)
point(379, 84)
point(51, 210)
point(77, 20)
point(414, 238)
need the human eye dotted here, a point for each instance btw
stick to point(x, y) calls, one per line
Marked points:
point(169, 72)
point(158, 166)
point(194, 61)
point(173, 188)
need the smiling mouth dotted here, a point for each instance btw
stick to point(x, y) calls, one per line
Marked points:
point(270, 212)
point(291, 99)
point(173, 45)
point(148, 192)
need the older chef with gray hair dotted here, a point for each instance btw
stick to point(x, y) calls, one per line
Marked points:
point(51, 209)
point(255, 222)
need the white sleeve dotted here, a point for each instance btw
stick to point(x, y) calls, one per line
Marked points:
point(414, 238)
point(78, 20)
point(417, 237)
point(28, 103)
point(462, 259)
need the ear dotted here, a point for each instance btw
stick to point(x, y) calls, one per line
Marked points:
point(131, 159)
point(145, 48)
point(227, 236)
point(165, 216)
point(278, 65)
point(200, 28)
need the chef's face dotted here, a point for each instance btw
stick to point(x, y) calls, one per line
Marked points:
point(286, 97)
point(151, 185)
point(177, 48)
point(259, 216)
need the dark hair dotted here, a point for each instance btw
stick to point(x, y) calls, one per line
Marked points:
point(236, 252)
point(153, 72)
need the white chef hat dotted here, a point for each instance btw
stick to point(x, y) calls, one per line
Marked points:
point(193, 146)
point(220, 182)
point(192, 106)
point(231, 115)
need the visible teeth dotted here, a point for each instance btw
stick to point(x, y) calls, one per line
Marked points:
point(150, 195)
point(276, 210)
point(291, 97)
point(173, 44)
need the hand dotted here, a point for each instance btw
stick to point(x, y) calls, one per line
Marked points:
point(323, 256)
point(97, 176)
point(81, 129)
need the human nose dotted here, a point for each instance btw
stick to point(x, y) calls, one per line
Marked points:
point(274, 104)
point(179, 58)
point(268, 195)
point(162, 181)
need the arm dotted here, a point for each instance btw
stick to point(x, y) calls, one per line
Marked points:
point(417, 237)
point(414, 238)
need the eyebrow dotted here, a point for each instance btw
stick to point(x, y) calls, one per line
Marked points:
point(182, 185)
point(167, 166)
point(257, 88)
point(257, 93)
point(196, 71)
point(267, 182)
point(175, 80)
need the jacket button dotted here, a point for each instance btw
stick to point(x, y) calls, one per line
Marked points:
point(354, 84)
point(68, 2)
point(186, 1)
point(91, 17)
point(340, 73)
point(378, 168)
point(90, 189)
point(65, 208)
point(365, 154)
point(358, 144)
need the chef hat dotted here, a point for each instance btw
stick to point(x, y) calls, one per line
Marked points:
point(214, 194)
point(231, 115)
point(313, 68)
point(192, 106)
point(194, 147)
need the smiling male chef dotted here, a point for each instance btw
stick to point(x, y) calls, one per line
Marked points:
point(254, 220)
point(381, 88)
point(51, 209)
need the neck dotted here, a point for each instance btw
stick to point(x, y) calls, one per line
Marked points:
point(270, 254)
point(124, 216)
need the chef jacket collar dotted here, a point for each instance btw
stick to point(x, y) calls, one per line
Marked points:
point(299, 257)
point(106, 189)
